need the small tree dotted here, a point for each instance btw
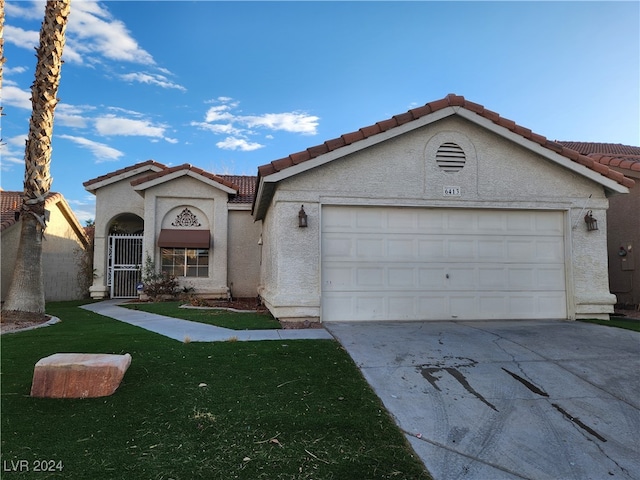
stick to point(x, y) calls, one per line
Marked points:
point(157, 284)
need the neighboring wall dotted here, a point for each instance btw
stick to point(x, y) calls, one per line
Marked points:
point(244, 252)
point(402, 171)
point(62, 249)
point(624, 231)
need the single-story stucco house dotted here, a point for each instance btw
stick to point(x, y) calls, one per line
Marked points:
point(445, 211)
point(65, 269)
point(623, 218)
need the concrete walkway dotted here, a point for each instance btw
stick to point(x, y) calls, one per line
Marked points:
point(197, 332)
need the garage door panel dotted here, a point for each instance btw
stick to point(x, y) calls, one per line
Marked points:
point(462, 249)
point(463, 306)
point(337, 246)
point(550, 278)
point(549, 250)
point(431, 278)
point(403, 277)
point(369, 218)
point(414, 263)
point(370, 248)
point(493, 278)
point(433, 249)
point(337, 278)
point(370, 277)
point(398, 248)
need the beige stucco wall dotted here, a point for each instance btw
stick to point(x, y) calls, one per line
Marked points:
point(161, 204)
point(61, 251)
point(244, 253)
point(111, 201)
point(234, 257)
point(402, 171)
point(10, 239)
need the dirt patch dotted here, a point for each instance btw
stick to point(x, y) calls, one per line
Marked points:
point(631, 312)
point(11, 321)
point(236, 304)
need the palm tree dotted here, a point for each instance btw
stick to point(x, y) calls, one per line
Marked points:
point(26, 293)
point(1, 47)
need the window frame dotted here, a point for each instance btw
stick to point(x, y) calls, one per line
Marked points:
point(183, 259)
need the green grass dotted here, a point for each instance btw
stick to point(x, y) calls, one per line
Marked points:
point(269, 410)
point(627, 323)
point(220, 318)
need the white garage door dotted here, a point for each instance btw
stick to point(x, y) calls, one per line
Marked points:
point(386, 263)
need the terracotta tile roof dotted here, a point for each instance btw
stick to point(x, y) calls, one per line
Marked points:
point(613, 149)
point(450, 100)
point(245, 186)
point(123, 170)
point(611, 154)
point(10, 203)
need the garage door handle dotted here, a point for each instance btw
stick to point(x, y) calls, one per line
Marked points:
point(447, 275)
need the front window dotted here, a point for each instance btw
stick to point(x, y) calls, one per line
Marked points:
point(185, 262)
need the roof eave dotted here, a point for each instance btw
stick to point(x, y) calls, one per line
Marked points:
point(92, 187)
point(181, 173)
point(565, 162)
point(262, 203)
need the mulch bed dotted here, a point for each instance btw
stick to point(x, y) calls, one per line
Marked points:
point(14, 320)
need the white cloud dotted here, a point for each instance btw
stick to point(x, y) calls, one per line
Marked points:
point(217, 113)
point(13, 70)
point(112, 125)
point(100, 151)
point(92, 34)
point(32, 11)
point(16, 97)
point(232, 143)
point(12, 152)
point(294, 122)
point(221, 119)
point(92, 29)
point(20, 37)
point(218, 128)
point(152, 79)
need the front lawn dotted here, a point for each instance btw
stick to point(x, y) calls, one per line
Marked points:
point(219, 318)
point(246, 410)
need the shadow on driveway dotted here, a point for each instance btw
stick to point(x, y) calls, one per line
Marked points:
point(507, 399)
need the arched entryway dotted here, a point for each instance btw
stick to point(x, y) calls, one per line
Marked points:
point(124, 259)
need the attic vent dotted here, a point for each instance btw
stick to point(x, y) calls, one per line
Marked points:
point(450, 157)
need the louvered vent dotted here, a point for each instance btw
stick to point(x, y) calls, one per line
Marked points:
point(450, 157)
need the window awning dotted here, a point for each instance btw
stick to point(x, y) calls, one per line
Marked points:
point(184, 238)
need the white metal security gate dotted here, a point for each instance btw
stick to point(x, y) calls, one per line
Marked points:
point(124, 265)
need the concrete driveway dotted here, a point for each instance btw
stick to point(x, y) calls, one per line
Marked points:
point(496, 400)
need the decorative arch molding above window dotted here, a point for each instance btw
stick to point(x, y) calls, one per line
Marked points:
point(186, 218)
point(181, 216)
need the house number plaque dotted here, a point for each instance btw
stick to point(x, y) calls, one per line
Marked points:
point(451, 191)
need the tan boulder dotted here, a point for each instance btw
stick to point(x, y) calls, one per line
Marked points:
point(78, 375)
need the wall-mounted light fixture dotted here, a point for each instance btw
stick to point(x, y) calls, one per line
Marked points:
point(302, 217)
point(592, 223)
point(622, 252)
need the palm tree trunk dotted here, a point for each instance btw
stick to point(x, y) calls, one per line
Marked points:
point(26, 293)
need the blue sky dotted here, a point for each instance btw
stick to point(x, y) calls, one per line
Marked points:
point(228, 86)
